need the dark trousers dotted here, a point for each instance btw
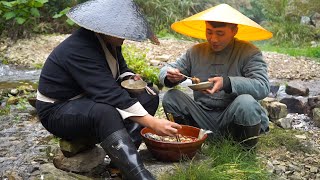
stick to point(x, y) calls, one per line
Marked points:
point(84, 118)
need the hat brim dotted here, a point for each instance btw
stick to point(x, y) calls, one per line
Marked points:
point(194, 26)
point(121, 19)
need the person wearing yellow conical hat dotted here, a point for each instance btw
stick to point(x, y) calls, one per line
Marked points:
point(80, 94)
point(233, 66)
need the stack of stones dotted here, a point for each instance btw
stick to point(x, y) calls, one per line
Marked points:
point(293, 97)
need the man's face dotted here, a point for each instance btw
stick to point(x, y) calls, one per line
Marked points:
point(219, 37)
point(114, 41)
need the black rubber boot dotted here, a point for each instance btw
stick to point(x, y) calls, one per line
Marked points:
point(133, 130)
point(125, 156)
point(247, 136)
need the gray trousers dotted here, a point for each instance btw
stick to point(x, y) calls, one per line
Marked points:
point(244, 110)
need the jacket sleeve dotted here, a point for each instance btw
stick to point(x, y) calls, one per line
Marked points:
point(182, 63)
point(255, 78)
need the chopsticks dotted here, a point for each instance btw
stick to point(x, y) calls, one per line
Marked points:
point(186, 76)
point(170, 117)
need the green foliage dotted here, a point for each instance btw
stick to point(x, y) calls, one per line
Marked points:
point(4, 110)
point(62, 14)
point(21, 12)
point(137, 61)
point(282, 18)
point(22, 104)
point(226, 160)
point(292, 51)
point(38, 65)
point(162, 13)
point(290, 33)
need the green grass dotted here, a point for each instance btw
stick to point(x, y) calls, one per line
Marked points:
point(312, 52)
point(278, 137)
point(5, 110)
point(225, 161)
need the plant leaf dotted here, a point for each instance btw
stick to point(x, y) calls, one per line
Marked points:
point(9, 15)
point(20, 20)
point(40, 3)
point(8, 4)
point(70, 22)
point(57, 16)
point(35, 12)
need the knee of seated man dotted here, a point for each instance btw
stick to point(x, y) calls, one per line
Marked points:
point(247, 102)
point(100, 111)
point(172, 94)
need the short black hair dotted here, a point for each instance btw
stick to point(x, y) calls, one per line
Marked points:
point(217, 24)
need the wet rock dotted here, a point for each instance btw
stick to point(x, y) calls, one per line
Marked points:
point(163, 58)
point(11, 175)
point(13, 100)
point(313, 169)
point(26, 88)
point(266, 101)
point(316, 116)
point(270, 167)
point(315, 19)
point(285, 123)
point(277, 110)
point(71, 148)
point(314, 102)
point(14, 92)
point(305, 20)
point(294, 105)
point(155, 62)
point(297, 89)
point(49, 171)
point(84, 162)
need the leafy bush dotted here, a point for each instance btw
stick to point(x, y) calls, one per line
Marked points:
point(137, 61)
point(20, 12)
point(162, 13)
point(290, 33)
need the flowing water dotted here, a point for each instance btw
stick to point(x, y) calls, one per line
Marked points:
point(11, 77)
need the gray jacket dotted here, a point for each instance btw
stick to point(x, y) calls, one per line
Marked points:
point(241, 61)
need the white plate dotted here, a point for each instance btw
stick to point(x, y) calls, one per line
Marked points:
point(201, 86)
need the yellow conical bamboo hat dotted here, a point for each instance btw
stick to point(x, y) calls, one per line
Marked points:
point(195, 26)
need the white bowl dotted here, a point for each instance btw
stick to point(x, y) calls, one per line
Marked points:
point(133, 86)
point(201, 86)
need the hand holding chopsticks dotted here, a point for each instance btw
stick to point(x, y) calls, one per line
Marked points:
point(170, 117)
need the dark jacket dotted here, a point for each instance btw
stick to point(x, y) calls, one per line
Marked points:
point(78, 65)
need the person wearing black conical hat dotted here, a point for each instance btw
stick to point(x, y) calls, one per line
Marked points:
point(79, 93)
point(233, 68)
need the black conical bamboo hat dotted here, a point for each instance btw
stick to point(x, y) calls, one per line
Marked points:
point(118, 18)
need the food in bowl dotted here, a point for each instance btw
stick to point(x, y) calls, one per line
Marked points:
point(183, 139)
point(133, 86)
point(174, 151)
point(195, 80)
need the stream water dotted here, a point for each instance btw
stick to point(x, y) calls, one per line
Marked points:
point(11, 77)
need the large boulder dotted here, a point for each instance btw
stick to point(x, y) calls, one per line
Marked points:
point(84, 162)
point(71, 148)
point(295, 105)
point(275, 109)
point(297, 89)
